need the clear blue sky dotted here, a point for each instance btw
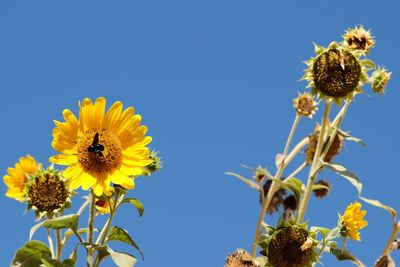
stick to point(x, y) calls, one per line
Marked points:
point(214, 82)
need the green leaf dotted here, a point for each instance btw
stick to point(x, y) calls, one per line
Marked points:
point(118, 234)
point(295, 185)
point(122, 259)
point(342, 171)
point(53, 263)
point(136, 203)
point(319, 186)
point(249, 182)
point(67, 221)
point(30, 254)
point(378, 204)
point(342, 254)
point(369, 63)
point(322, 230)
point(69, 262)
point(34, 229)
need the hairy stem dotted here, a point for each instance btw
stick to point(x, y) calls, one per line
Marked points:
point(315, 164)
point(90, 251)
point(274, 186)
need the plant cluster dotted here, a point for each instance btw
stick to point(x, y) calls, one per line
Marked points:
point(104, 153)
point(336, 75)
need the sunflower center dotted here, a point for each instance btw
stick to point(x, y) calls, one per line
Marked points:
point(48, 192)
point(99, 151)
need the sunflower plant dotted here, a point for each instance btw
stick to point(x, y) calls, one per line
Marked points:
point(103, 152)
point(337, 74)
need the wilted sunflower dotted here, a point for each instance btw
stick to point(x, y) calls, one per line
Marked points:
point(101, 147)
point(336, 72)
point(352, 221)
point(17, 177)
point(358, 38)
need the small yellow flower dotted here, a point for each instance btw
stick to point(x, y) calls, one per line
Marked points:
point(103, 206)
point(101, 147)
point(17, 177)
point(353, 220)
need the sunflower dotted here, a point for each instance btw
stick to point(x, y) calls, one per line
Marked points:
point(17, 177)
point(103, 205)
point(101, 147)
point(352, 221)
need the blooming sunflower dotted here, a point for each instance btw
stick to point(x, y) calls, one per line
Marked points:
point(352, 221)
point(17, 177)
point(101, 147)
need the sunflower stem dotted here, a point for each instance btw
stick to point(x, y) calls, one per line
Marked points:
point(50, 240)
point(298, 170)
point(388, 249)
point(90, 251)
point(315, 164)
point(274, 186)
point(102, 236)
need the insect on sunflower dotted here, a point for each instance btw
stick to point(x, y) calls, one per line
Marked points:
point(101, 147)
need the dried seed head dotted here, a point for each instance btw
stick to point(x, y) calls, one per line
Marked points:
point(240, 258)
point(358, 38)
point(286, 248)
point(334, 149)
point(322, 192)
point(277, 198)
point(305, 105)
point(336, 73)
point(290, 203)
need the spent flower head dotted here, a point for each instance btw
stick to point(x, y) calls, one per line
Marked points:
point(352, 221)
point(358, 38)
point(305, 105)
point(101, 147)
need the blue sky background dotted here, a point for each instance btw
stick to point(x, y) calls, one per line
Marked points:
point(214, 82)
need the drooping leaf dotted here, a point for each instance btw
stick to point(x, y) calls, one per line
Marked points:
point(122, 259)
point(342, 254)
point(31, 254)
point(34, 229)
point(53, 263)
point(294, 185)
point(68, 221)
point(342, 171)
point(348, 137)
point(378, 204)
point(136, 203)
point(319, 187)
point(249, 182)
point(118, 234)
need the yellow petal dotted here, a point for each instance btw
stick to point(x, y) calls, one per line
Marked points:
point(63, 159)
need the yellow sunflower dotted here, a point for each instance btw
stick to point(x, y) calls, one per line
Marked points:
point(101, 147)
point(16, 178)
point(103, 206)
point(353, 220)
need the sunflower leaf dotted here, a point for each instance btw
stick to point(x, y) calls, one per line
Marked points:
point(122, 259)
point(342, 171)
point(342, 254)
point(136, 203)
point(249, 182)
point(378, 204)
point(31, 254)
point(348, 137)
point(118, 234)
point(68, 221)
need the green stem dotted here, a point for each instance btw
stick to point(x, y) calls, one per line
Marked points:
point(59, 244)
point(315, 163)
point(51, 245)
point(291, 134)
point(388, 249)
point(90, 251)
point(274, 186)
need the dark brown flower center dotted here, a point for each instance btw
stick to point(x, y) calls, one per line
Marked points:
point(336, 73)
point(99, 151)
point(48, 192)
